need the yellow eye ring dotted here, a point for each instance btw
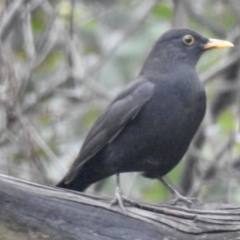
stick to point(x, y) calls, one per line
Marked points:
point(188, 39)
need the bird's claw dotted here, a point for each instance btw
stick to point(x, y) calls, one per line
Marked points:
point(188, 201)
point(118, 200)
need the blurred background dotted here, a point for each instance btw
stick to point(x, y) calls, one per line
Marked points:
point(61, 63)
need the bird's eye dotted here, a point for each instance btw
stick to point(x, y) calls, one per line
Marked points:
point(188, 39)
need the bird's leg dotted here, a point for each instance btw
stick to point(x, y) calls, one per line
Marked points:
point(178, 197)
point(120, 198)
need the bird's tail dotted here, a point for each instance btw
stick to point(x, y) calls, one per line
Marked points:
point(83, 179)
point(76, 184)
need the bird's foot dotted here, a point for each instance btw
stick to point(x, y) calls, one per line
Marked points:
point(120, 199)
point(180, 198)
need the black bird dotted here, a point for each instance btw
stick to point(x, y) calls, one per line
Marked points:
point(150, 124)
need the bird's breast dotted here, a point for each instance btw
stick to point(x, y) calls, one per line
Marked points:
point(175, 111)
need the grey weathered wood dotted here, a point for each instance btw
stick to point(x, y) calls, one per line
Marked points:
point(32, 211)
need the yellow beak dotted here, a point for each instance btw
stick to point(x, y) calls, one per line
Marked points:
point(216, 43)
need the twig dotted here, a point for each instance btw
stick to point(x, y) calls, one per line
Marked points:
point(28, 34)
point(46, 90)
point(9, 15)
point(212, 73)
point(40, 142)
point(214, 26)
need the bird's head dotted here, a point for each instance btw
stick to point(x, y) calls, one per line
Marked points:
point(177, 47)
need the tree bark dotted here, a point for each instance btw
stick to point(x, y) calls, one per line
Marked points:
point(32, 211)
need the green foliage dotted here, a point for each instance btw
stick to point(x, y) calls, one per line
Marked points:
point(90, 117)
point(155, 193)
point(39, 21)
point(51, 62)
point(227, 121)
point(163, 10)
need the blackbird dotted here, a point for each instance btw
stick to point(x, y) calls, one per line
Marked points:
point(148, 127)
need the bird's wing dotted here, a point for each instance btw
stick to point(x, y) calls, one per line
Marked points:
point(108, 126)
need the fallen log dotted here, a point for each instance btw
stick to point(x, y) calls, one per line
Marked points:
point(33, 211)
